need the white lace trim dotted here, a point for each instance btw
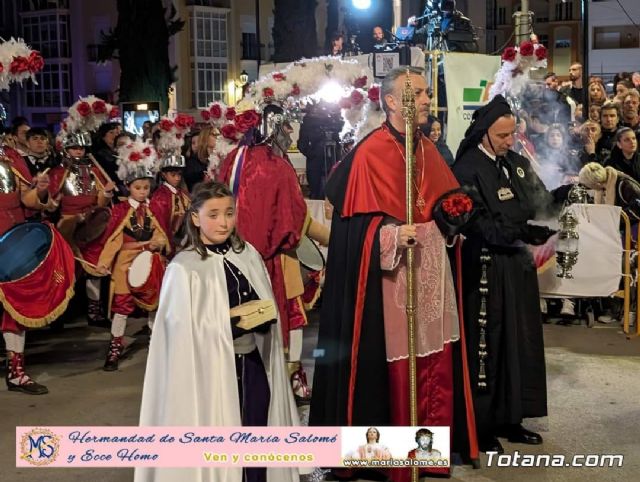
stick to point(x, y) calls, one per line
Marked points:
point(422, 355)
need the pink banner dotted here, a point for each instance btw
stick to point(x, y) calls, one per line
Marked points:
point(176, 447)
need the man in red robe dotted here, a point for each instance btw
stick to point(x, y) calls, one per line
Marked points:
point(361, 375)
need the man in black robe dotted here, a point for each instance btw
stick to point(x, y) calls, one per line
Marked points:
point(501, 298)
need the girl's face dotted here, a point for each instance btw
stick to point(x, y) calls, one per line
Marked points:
point(211, 143)
point(372, 435)
point(436, 132)
point(139, 189)
point(555, 139)
point(216, 219)
point(173, 178)
point(594, 113)
point(628, 143)
point(595, 92)
point(621, 91)
point(194, 144)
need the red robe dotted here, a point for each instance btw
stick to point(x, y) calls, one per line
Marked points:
point(170, 211)
point(368, 186)
point(11, 204)
point(271, 212)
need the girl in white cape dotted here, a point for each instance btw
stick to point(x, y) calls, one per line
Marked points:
point(204, 370)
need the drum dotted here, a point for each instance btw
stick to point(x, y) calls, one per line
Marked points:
point(310, 255)
point(37, 273)
point(145, 279)
point(92, 227)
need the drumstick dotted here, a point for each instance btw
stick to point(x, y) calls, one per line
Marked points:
point(91, 265)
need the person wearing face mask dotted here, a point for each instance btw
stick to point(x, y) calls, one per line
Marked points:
point(273, 217)
point(624, 155)
point(501, 298)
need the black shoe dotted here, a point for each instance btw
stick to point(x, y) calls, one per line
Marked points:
point(30, 387)
point(519, 435)
point(113, 355)
point(490, 444)
point(110, 365)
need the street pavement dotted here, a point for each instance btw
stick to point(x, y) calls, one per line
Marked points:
point(593, 385)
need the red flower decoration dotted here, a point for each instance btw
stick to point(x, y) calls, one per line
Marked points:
point(268, 92)
point(206, 115)
point(184, 121)
point(526, 48)
point(99, 107)
point(229, 132)
point(296, 90)
point(19, 65)
point(115, 112)
point(374, 94)
point(230, 114)
point(279, 77)
point(216, 111)
point(356, 97)
point(509, 54)
point(1, 68)
point(135, 156)
point(36, 62)
point(345, 103)
point(146, 151)
point(360, 82)
point(166, 125)
point(247, 120)
point(541, 52)
point(457, 205)
point(84, 109)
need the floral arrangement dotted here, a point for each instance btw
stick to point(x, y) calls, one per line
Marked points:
point(18, 62)
point(516, 64)
point(452, 211)
point(230, 127)
point(89, 113)
point(173, 131)
point(134, 155)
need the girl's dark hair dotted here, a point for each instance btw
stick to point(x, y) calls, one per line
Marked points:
point(202, 192)
point(623, 130)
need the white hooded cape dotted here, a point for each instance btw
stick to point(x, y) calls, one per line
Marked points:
point(190, 378)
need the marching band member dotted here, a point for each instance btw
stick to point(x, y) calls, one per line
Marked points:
point(132, 229)
point(17, 191)
point(273, 217)
point(216, 358)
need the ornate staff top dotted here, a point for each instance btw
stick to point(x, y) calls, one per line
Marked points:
point(408, 102)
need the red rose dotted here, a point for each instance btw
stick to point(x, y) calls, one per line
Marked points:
point(216, 111)
point(206, 115)
point(19, 65)
point(457, 204)
point(184, 121)
point(509, 54)
point(99, 107)
point(279, 77)
point(296, 90)
point(230, 114)
point(267, 92)
point(229, 132)
point(526, 48)
point(374, 94)
point(84, 109)
point(360, 82)
point(135, 156)
point(115, 112)
point(247, 120)
point(36, 62)
point(345, 103)
point(1, 68)
point(541, 52)
point(146, 151)
point(356, 97)
point(166, 125)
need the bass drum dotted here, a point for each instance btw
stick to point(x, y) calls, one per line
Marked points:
point(37, 273)
point(92, 227)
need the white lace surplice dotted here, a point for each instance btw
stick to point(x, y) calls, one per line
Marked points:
point(436, 311)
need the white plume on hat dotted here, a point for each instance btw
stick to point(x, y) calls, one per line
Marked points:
point(136, 160)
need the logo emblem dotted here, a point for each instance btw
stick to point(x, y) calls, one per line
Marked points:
point(520, 172)
point(39, 447)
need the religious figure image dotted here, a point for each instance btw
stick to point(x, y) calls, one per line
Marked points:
point(424, 450)
point(372, 450)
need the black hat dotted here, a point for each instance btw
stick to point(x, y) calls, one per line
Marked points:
point(482, 119)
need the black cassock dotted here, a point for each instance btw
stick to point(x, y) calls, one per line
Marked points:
point(514, 365)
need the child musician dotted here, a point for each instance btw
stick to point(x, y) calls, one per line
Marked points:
point(133, 228)
point(216, 357)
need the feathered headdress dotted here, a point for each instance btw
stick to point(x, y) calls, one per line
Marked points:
point(18, 62)
point(169, 145)
point(86, 115)
point(136, 160)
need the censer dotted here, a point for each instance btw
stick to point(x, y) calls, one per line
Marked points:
point(567, 247)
